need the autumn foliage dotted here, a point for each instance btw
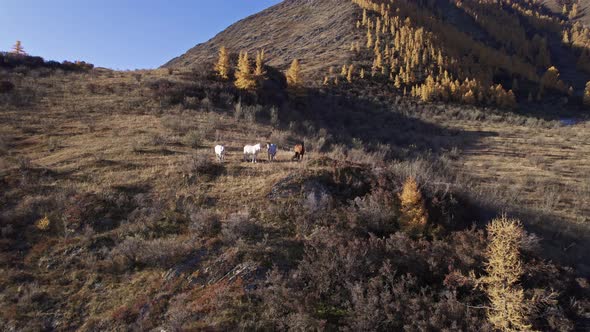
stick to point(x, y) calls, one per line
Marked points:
point(222, 67)
point(294, 74)
point(244, 77)
point(509, 310)
point(414, 214)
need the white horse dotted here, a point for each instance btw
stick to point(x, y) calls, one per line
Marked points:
point(251, 151)
point(272, 151)
point(220, 152)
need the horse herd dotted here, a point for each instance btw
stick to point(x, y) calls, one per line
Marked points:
point(251, 152)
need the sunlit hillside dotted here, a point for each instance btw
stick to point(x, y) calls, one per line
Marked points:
point(443, 184)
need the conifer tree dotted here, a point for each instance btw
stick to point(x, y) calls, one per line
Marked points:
point(551, 80)
point(294, 74)
point(509, 310)
point(398, 82)
point(369, 39)
point(222, 66)
point(587, 94)
point(566, 37)
point(18, 48)
point(574, 12)
point(413, 209)
point(244, 78)
point(349, 73)
point(259, 71)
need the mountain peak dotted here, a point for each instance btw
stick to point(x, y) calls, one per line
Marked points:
point(317, 32)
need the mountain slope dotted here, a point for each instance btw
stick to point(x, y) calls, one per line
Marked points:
point(317, 32)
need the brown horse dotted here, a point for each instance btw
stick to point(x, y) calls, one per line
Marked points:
point(299, 152)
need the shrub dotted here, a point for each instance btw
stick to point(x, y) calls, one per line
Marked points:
point(6, 86)
point(239, 226)
point(162, 253)
point(205, 223)
point(201, 165)
point(193, 139)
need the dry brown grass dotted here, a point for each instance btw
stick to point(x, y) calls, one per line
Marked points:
point(121, 141)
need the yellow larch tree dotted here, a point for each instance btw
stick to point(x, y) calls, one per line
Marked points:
point(222, 67)
point(574, 12)
point(349, 73)
point(587, 94)
point(551, 80)
point(18, 48)
point(294, 74)
point(259, 71)
point(369, 39)
point(244, 79)
point(413, 209)
point(509, 310)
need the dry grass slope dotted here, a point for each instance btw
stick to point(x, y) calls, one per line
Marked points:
point(317, 32)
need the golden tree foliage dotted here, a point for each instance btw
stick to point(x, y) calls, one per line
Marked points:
point(349, 73)
point(222, 66)
point(294, 74)
point(509, 310)
point(573, 12)
point(369, 39)
point(43, 223)
point(550, 80)
point(18, 48)
point(413, 45)
point(587, 94)
point(259, 71)
point(413, 209)
point(244, 79)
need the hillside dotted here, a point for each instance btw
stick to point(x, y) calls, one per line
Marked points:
point(316, 32)
point(427, 200)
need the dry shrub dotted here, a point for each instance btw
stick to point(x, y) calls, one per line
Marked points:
point(280, 138)
point(162, 253)
point(6, 87)
point(201, 165)
point(239, 226)
point(205, 223)
point(377, 212)
point(3, 145)
point(193, 138)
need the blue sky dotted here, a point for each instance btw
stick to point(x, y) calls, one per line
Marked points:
point(118, 34)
